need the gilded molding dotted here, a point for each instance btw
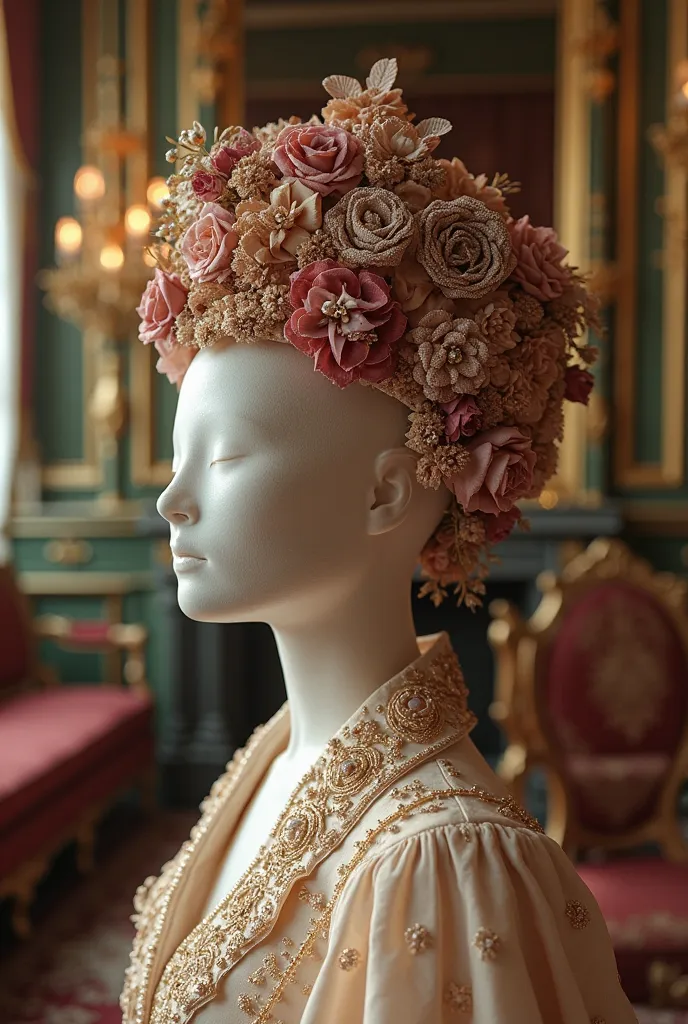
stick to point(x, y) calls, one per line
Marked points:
point(573, 206)
point(669, 472)
point(76, 520)
point(272, 15)
point(146, 470)
point(84, 584)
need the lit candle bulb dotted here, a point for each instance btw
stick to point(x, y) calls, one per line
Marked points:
point(157, 191)
point(111, 257)
point(137, 221)
point(68, 236)
point(89, 183)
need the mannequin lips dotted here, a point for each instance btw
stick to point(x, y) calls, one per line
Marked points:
point(184, 562)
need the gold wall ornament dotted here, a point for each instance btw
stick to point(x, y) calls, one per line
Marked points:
point(669, 470)
point(598, 46)
point(68, 552)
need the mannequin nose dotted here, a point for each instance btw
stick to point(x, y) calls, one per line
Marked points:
point(176, 506)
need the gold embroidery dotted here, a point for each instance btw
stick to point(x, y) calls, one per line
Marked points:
point(348, 959)
point(413, 714)
point(318, 900)
point(303, 836)
point(459, 997)
point(351, 769)
point(306, 989)
point(598, 1020)
point(257, 977)
point(577, 914)
point(487, 943)
point(417, 939)
point(299, 832)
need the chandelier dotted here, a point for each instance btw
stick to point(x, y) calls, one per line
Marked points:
point(101, 255)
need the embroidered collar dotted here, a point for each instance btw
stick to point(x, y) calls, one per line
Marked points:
point(408, 720)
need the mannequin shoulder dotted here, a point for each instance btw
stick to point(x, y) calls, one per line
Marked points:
point(457, 791)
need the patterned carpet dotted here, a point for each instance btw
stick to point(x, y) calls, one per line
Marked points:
point(71, 971)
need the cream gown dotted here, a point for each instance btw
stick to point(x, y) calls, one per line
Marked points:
point(401, 885)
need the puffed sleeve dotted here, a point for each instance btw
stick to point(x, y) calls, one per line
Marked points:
point(481, 923)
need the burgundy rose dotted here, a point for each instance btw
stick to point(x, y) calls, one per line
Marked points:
point(161, 303)
point(208, 186)
point(329, 160)
point(346, 320)
point(207, 244)
point(539, 255)
point(463, 417)
point(227, 154)
point(499, 527)
point(579, 383)
point(498, 473)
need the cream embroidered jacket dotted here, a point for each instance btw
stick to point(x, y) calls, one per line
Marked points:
point(401, 885)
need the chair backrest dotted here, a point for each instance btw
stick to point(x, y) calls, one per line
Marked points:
point(606, 664)
point(17, 647)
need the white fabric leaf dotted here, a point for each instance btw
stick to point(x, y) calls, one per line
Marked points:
point(341, 86)
point(383, 74)
point(432, 127)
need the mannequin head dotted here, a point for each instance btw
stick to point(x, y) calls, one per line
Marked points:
point(295, 494)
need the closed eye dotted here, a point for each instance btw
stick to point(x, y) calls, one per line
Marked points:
point(227, 458)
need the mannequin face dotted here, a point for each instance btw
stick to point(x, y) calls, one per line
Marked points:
point(275, 473)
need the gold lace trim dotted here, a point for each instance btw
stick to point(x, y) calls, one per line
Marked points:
point(426, 704)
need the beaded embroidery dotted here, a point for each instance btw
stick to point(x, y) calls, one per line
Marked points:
point(459, 997)
point(417, 939)
point(577, 914)
point(358, 766)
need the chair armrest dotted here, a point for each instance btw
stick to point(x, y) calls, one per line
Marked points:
point(101, 637)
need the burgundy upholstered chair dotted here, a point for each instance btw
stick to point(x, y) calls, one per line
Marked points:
point(65, 751)
point(593, 689)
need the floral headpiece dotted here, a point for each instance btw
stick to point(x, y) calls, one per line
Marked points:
point(347, 239)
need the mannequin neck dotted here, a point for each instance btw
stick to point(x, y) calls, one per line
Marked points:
point(334, 662)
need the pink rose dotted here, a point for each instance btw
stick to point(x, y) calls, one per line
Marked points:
point(228, 154)
point(539, 268)
point(329, 160)
point(174, 360)
point(463, 417)
point(346, 320)
point(208, 186)
point(579, 383)
point(498, 528)
point(498, 473)
point(208, 243)
point(161, 303)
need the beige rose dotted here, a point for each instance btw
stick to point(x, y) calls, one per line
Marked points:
point(464, 247)
point(370, 227)
point(460, 182)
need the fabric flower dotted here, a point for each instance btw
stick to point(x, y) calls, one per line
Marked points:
point(579, 384)
point(161, 303)
point(459, 182)
point(328, 160)
point(352, 104)
point(499, 527)
point(539, 256)
point(174, 359)
point(497, 321)
point(371, 227)
point(533, 368)
point(272, 232)
point(207, 244)
point(394, 147)
point(464, 247)
point(346, 320)
point(464, 418)
point(414, 195)
point(499, 471)
point(449, 356)
point(229, 151)
point(208, 186)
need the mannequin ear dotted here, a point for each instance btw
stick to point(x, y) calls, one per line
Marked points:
point(390, 497)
